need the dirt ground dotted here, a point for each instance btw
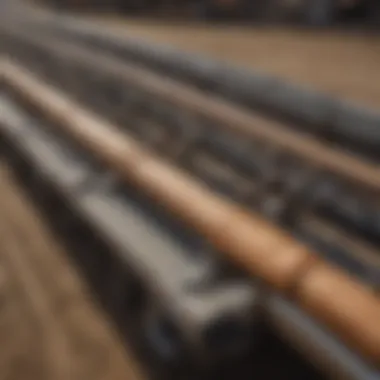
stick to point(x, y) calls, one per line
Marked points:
point(344, 64)
point(49, 327)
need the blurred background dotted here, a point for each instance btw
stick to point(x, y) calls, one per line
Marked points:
point(329, 45)
point(272, 106)
point(305, 12)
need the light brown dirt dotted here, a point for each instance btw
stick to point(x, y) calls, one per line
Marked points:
point(344, 64)
point(49, 327)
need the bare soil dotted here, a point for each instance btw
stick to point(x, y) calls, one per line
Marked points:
point(49, 326)
point(341, 63)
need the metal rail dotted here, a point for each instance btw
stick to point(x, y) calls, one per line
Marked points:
point(325, 117)
point(319, 206)
point(47, 159)
point(231, 117)
point(268, 179)
point(262, 249)
point(36, 255)
point(48, 166)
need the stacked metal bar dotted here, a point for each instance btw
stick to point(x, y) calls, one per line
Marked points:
point(238, 170)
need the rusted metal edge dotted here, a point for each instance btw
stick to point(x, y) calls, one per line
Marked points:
point(348, 308)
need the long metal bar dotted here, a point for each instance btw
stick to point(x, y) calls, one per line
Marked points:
point(231, 117)
point(348, 308)
point(254, 174)
point(322, 113)
point(43, 152)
